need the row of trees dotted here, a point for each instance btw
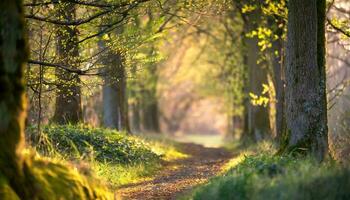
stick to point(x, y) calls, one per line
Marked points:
point(287, 75)
point(103, 47)
point(305, 100)
point(117, 45)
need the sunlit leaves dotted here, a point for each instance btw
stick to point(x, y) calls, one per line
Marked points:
point(263, 99)
point(248, 8)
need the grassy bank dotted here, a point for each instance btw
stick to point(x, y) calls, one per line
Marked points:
point(113, 157)
point(266, 176)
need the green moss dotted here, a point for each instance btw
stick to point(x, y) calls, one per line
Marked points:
point(56, 181)
point(6, 191)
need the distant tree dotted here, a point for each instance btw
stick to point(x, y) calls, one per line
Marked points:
point(306, 100)
point(111, 111)
point(257, 117)
point(68, 95)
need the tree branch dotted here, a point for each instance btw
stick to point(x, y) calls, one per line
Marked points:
point(68, 23)
point(68, 69)
point(344, 32)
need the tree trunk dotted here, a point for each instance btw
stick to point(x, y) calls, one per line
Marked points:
point(306, 101)
point(279, 79)
point(136, 118)
point(150, 112)
point(111, 111)
point(150, 117)
point(258, 116)
point(68, 96)
point(123, 98)
point(13, 57)
point(115, 106)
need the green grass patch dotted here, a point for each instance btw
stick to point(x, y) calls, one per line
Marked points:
point(115, 157)
point(103, 145)
point(265, 176)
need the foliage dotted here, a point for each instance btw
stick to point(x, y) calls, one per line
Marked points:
point(263, 99)
point(265, 176)
point(116, 158)
point(103, 145)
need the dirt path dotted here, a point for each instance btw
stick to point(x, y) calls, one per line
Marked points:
point(179, 176)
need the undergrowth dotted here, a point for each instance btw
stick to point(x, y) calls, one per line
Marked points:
point(115, 157)
point(265, 176)
point(103, 145)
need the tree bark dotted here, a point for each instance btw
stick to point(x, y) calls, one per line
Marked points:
point(13, 57)
point(68, 96)
point(306, 101)
point(279, 81)
point(257, 116)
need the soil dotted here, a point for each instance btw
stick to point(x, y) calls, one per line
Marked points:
point(180, 176)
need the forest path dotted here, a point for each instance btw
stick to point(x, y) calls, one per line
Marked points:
point(179, 176)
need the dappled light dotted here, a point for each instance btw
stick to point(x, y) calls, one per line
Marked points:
point(174, 99)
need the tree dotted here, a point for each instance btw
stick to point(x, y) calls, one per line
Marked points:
point(111, 112)
point(306, 102)
point(149, 101)
point(257, 123)
point(13, 57)
point(68, 97)
point(115, 102)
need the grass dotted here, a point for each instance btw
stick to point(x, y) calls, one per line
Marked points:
point(114, 157)
point(265, 176)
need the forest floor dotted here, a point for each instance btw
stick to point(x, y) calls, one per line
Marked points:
point(179, 176)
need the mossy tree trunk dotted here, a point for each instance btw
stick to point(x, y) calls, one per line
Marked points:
point(13, 57)
point(68, 96)
point(306, 101)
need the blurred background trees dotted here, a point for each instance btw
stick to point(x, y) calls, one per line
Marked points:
point(209, 67)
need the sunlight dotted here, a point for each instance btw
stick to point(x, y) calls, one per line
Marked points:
point(174, 99)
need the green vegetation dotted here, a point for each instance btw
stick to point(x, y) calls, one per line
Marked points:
point(266, 176)
point(113, 156)
point(103, 145)
point(50, 176)
point(103, 80)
